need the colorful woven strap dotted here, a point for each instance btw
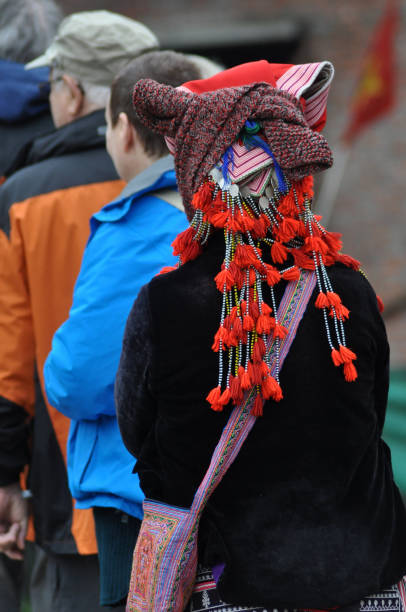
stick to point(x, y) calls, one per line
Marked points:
point(402, 591)
point(241, 421)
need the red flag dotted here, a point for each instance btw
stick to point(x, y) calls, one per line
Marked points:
point(375, 92)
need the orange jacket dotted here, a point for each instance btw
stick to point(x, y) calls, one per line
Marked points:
point(44, 216)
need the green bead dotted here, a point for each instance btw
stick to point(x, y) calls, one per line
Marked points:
point(254, 129)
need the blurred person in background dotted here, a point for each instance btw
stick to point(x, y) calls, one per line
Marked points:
point(27, 27)
point(45, 207)
point(130, 242)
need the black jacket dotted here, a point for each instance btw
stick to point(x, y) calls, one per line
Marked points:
point(16, 137)
point(308, 515)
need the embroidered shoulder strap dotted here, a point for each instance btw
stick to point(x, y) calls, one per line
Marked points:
point(402, 592)
point(241, 421)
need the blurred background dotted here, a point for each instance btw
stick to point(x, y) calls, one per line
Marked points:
point(364, 196)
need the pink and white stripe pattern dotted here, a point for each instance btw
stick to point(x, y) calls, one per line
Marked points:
point(304, 78)
point(247, 161)
point(258, 183)
point(402, 591)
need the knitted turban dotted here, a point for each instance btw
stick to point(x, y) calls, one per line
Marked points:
point(204, 125)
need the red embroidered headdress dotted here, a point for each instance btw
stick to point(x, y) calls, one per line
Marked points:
point(246, 143)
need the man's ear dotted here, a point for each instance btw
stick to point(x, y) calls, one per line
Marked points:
point(76, 96)
point(127, 132)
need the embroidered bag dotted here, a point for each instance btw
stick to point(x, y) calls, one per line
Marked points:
point(165, 556)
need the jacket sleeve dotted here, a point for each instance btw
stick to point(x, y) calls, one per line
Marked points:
point(80, 369)
point(135, 403)
point(17, 358)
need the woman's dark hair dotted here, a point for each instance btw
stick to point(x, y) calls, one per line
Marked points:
point(166, 67)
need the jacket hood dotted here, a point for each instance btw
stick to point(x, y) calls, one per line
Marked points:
point(21, 97)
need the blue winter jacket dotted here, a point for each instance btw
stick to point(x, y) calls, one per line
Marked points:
point(24, 111)
point(130, 241)
point(21, 97)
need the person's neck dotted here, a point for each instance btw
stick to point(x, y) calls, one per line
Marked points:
point(140, 164)
point(87, 109)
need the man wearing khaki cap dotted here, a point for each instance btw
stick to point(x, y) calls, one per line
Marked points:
point(95, 45)
point(59, 180)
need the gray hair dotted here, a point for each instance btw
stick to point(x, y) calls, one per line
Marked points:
point(27, 27)
point(97, 95)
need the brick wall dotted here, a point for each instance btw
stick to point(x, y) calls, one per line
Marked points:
point(371, 207)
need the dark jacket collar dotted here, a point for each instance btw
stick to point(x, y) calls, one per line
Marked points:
point(82, 134)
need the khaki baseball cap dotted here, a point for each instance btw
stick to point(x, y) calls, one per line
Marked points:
point(93, 46)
